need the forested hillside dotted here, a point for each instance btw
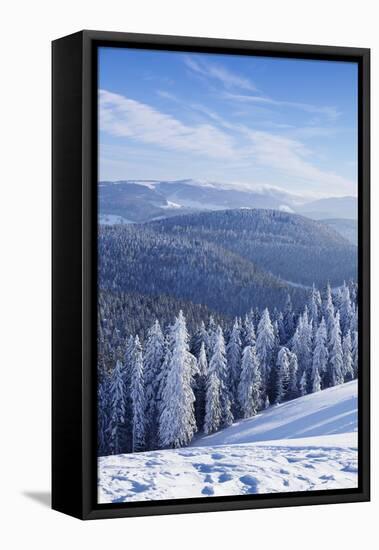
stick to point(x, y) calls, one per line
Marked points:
point(147, 260)
point(160, 392)
point(207, 318)
point(122, 314)
point(289, 246)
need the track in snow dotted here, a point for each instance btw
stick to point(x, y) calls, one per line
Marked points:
point(303, 445)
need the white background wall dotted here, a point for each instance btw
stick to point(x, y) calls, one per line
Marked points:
point(27, 29)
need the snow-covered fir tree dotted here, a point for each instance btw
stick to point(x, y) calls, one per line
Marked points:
point(320, 353)
point(345, 309)
point(200, 386)
point(218, 362)
point(265, 345)
point(211, 337)
point(248, 332)
point(200, 337)
point(160, 396)
point(282, 374)
point(117, 410)
point(249, 387)
point(316, 380)
point(288, 319)
point(328, 309)
point(348, 369)
point(177, 421)
point(212, 420)
point(314, 304)
point(233, 352)
point(137, 398)
point(335, 354)
point(302, 345)
point(162, 377)
point(103, 411)
point(153, 360)
point(281, 330)
point(303, 384)
point(293, 367)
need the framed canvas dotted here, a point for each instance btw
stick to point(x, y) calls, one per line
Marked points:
point(210, 275)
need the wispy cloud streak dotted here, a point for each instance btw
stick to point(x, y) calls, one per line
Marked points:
point(217, 140)
point(219, 73)
point(330, 112)
point(124, 117)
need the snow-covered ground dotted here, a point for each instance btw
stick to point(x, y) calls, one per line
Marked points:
point(307, 444)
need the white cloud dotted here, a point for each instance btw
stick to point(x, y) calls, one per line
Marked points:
point(167, 95)
point(286, 161)
point(124, 117)
point(220, 73)
point(233, 81)
point(291, 158)
point(330, 112)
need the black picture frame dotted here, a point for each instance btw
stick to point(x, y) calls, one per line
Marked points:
point(74, 205)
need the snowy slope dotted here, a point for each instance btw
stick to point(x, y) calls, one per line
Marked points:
point(329, 412)
point(307, 444)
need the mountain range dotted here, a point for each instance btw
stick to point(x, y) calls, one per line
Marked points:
point(134, 201)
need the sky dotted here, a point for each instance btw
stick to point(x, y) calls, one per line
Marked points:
point(242, 121)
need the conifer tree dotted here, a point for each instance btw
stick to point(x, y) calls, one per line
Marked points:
point(345, 309)
point(177, 421)
point(281, 330)
point(288, 319)
point(293, 367)
point(321, 354)
point(162, 377)
point(219, 362)
point(250, 383)
point(212, 419)
point(233, 352)
point(303, 384)
point(201, 386)
point(314, 304)
point(328, 310)
point(153, 360)
point(211, 337)
point(200, 337)
point(282, 378)
point(348, 369)
point(302, 346)
point(117, 410)
point(354, 318)
point(275, 328)
point(316, 380)
point(265, 345)
point(249, 336)
point(336, 355)
point(127, 362)
point(103, 414)
point(137, 397)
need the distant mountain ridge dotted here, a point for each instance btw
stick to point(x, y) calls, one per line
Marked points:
point(335, 207)
point(146, 200)
point(345, 227)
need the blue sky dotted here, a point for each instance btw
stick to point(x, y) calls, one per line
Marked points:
point(241, 121)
